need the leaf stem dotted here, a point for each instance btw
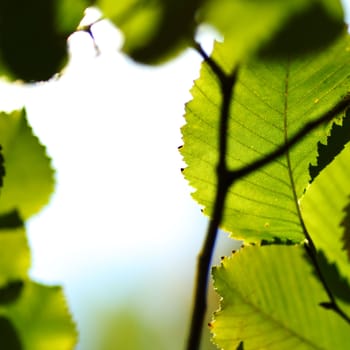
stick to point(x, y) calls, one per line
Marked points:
point(227, 83)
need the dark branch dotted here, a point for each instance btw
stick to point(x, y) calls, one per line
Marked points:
point(227, 83)
point(211, 63)
point(258, 164)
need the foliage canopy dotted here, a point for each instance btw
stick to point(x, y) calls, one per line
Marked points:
point(266, 144)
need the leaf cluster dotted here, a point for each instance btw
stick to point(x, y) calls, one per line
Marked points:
point(32, 315)
point(266, 142)
point(286, 193)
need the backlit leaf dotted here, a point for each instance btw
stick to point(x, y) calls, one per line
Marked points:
point(14, 255)
point(272, 101)
point(280, 27)
point(324, 209)
point(29, 181)
point(156, 30)
point(2, 168)
point(41, 318)
point(270, 300)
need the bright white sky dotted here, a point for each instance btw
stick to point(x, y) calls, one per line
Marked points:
point(121, 224)
point(122, 218)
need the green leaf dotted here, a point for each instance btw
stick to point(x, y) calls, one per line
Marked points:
point(281, 28)
point(41, 318)
point(324, 210)
point(272, 101)
point(156, 30)
point(270, 300)
point(14, 255)
point(29, 181)
point(2, 168)
point(69, 14)
point(153, 30)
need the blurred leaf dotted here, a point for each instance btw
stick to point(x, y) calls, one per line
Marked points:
point(323, 210)
point(280, 27)
point(2, 168)
point(30, 47)
point(14, 255)
point(240, 346)
point(41, 318)
point(8, 335)
point(270, 301)
point(272, 101)
point(154, 30)
point(128, 331)
point(11, 292)
point(10, 220)
point(309, 30)
point(339, 136)
point(33, 36)
point(29, 177)
point(69, 14)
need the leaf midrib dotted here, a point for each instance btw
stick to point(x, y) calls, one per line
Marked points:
point(267, 315)
point(287, 154)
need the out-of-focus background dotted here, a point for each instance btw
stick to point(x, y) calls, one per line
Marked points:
point(121, 233)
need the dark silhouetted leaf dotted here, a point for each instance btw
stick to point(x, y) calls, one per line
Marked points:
point(240, 346)
point(346, 234)
point(309, 30)
point(10, 292)
point(30, 46)
point(153, 30)
point(33, 36)
point(339, 136)
point(339, 285)
point(10, 220)
point(9, 339)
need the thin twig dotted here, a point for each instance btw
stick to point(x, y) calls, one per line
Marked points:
point(282, 149)
point(227, 83)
